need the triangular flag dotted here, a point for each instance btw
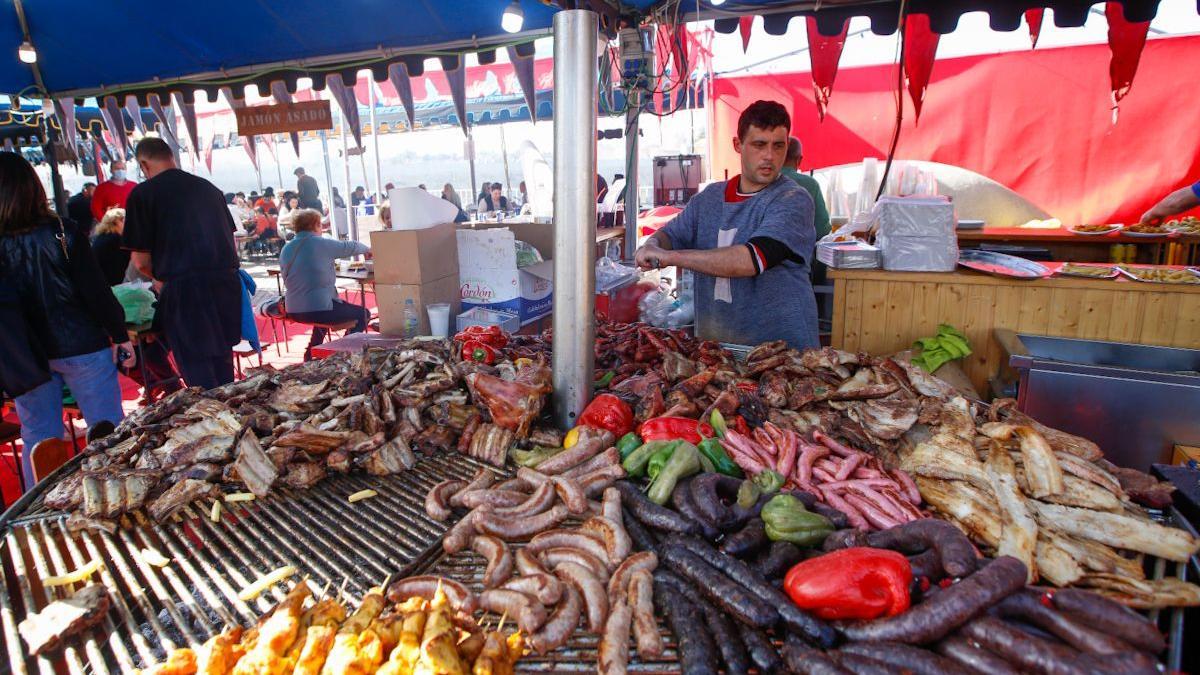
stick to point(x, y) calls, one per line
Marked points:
point(188, 112)
point(920, 51)
point(745, 23)
point(456, 77)
point(523, 69)
point(824, 53)
point(1033, 17)
point(344, 96)
point(98, 158)
point(111, 112)
point(166, 119)
point(281, 94)
point(208, 150)
point(64, 110)
point(398, 76)
point(247, 141)
point(135, 112)
point(1126, 40)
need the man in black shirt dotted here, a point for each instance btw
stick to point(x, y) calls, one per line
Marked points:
point(307, 190)
point(181, 235)
point(79, 209)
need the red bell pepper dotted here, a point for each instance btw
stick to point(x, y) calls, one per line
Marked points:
point(493, 336)
point(853, 583)
point(608, 412)
point(740, 426)
point(478, 351)
point(675, 429)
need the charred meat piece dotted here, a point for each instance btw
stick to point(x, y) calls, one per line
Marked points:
point(676, 366)
point(67, 494)
point(215, 449)
point(491, 444)
point(180, 495)
point(253, 466)
point(418, 392)
point(204, 471)
point(281, 456)
point(1141, 487)
point(303, 475)
point(390, 458)
point(513, 405)
point(312, 440)
point(296, 397)
point(765, 351)
point(692, 386)
point(434, 439)
point(107, 494)
point(338, 461)
point(61, 620)
point(773, 389)
point(649, 405)
point(547, 437)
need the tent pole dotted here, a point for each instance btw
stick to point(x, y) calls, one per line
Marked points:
point(278, 166)
point(328, 173)
point(351, 221)
point(504, 155)
point(575, 49)
point(471, 161)
point(375, 138)
point(632, 112)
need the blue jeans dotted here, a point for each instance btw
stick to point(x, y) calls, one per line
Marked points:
point(93, 382)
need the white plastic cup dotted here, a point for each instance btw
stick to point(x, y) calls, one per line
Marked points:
point(439, 319)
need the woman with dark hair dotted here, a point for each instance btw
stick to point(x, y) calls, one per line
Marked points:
point(74, 324)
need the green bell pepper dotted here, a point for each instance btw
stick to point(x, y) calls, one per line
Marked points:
point(658, 460)
point(748, 493)
point(786, 519)
point(711, 449)
point(717, 420)
point(628, 443)
point(604, 381)
point(684, 461)
point(635, 463)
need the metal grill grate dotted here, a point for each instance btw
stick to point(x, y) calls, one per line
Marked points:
point(155, 610)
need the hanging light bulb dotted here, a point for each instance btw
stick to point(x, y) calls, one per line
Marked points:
point(716, 3)
point(27, 53)
point(513, 18)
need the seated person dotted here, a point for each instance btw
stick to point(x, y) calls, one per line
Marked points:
point(385, 215)
point(310, 286)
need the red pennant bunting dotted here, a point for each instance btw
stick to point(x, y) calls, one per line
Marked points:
point(744, 25)
point(1033, 17)
point(920, 50)
point(208, 150)
point(824, 52)
point(1125, 40)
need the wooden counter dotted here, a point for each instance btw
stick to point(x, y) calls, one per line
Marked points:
point(882, 312)
point(1066, 245)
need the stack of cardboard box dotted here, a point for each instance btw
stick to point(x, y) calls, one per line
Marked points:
point(417, 264)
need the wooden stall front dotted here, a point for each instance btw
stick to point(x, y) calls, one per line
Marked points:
point(882, 312)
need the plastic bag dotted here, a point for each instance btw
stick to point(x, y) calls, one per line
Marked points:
point(526, 254)
point(137, 301)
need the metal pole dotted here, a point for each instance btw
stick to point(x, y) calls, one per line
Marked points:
point(278, 164)
point(631, 172)
point(351, 221)
point(375, 137)
point(471, 162)
point(328, 173)
point(504, 155)
point(575, 47)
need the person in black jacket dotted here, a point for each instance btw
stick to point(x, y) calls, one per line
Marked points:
point(70, 316)
point(79, 209)
point(106, 244)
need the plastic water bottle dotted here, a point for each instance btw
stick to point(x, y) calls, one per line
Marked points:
point(410, 319)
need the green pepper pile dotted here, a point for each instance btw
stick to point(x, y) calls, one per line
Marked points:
point(949, 344)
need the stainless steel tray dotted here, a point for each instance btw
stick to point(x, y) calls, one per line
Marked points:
point(1001, 264)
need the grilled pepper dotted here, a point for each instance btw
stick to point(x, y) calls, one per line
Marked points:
point(635, 463)
point(610, 413)
point(684, 461)
point(478, 351)
point(711, 449)
point(718, 423)
point(628, 443)
point(492, 336)
point(769, 481)
point(853, 583)
point(675, 429)
point(531, 458)
point(659, 459)
point(787, 520)
point(571, 438)
point(604, 381)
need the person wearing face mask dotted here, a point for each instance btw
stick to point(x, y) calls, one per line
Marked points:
point(112, 193)
point(749, 241)
point(181, 234)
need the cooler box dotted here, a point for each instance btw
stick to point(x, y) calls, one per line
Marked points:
point(478, 316)
point(490, 277)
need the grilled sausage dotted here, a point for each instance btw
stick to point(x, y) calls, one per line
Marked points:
point(953, 547)
point(516, 530)
point(644, 560)
point(804, 660)
point(948, 609)
point(697, 653)
point(482, 480)
point(861, 665)
point(728, 641)
point(596, 482)
point(710, 492)
point(779, 557)
point(762, 652)
point(616, 540)
point(613, 655)
point(747, 540)
point(795, 619)
point(582, 451)
point(975, 658)
point(492, 497)
point(1027, 652)
point(528, 612)
point(607, 458)
point(844, 538)
point(905, 658)
point(652, 515)
point(927, 564)
point(1025, 605)
point(527, 564)
point(645, 626)
point(558, 629)
point(459, 596)
point(577, 539)
point(593, 593)
point(545, 587)
point(571, 494)
point(541, 499)
point(642, 537)
point(499, 559)
point(720, 589)
point(459, 536)
point(555, 556)
point(681, 499)
point(437, 501)
point(835, 517)
point(1109, 617)
point(612, 505)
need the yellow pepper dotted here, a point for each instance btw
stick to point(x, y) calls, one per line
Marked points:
point(572, 438)
point(522, 362)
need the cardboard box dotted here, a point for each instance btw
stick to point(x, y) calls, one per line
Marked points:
point(537, 235)
point(489, 276)
point(391, 298)
point(1185, 453)
point(415, 256)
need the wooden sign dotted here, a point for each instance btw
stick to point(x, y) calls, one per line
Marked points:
point(282, 117)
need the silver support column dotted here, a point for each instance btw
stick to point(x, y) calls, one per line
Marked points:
point(575, 49)
point(375, 140)
point(631, 172)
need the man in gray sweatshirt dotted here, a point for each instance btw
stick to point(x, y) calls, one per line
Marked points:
point(749, 241)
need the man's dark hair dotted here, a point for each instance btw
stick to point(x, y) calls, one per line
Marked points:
point(764, 115)
point(794, 152)
point(154, 148)
point(497, 186)
point(618, 176)
point(241, 194)
point(24, 205)
point(229, 196)
point(299, 171)
point(360, 189)
point(87, 185)
point(269, 192)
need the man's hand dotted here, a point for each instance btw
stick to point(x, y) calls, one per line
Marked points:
point(130, 359)
point(1151, 217)
point(650, 256)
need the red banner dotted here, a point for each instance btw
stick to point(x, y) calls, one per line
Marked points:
point(824, 52)
point(1037, 122)
point(920, 50)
